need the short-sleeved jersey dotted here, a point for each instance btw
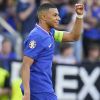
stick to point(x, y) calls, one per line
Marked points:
point(39, 45)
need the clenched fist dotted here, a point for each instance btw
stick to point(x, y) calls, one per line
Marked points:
point(79, 8)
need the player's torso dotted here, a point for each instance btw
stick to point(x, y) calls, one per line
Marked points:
point(47, 42)
point(41, 69)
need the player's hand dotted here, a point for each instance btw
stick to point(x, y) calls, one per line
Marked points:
point(79, 8)
point(26, 97)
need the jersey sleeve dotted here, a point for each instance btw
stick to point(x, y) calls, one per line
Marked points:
point(32, 47)
point(58, 35)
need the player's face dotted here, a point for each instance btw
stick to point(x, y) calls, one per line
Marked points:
point(53, 18)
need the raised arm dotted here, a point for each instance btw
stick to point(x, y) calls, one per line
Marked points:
point(25, 74)
point(77, 28)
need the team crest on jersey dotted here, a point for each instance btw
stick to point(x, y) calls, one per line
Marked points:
point(32, 44)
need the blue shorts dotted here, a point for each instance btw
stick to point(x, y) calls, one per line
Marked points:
point(43, 96)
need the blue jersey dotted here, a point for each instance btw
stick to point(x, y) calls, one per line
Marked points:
point(39, 45)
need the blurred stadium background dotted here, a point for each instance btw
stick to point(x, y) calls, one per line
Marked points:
point(76, 67)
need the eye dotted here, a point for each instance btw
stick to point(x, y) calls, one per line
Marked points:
point(56, 14)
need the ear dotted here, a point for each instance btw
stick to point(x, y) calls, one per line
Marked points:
point(44, 16)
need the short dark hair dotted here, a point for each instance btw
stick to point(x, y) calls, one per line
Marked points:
point(45, 7)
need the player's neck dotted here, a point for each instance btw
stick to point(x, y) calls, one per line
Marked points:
point(45, 27)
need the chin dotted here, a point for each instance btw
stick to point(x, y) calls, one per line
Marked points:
point(55, 26)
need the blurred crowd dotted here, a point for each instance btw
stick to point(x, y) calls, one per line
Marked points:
point(21, 15)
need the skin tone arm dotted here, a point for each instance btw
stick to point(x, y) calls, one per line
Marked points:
point(76, 31)
point(25, 74)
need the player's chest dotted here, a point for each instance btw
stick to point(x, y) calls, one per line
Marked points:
point(48, 47)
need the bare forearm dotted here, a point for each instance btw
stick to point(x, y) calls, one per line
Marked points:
point(25, 74)
point(77, 29)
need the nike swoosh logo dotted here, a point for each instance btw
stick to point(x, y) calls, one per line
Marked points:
point(49, 45)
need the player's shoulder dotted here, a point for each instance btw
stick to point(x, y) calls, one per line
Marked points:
point(36, 35)
point(53, 31)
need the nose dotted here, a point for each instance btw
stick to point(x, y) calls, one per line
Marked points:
point(58, 18)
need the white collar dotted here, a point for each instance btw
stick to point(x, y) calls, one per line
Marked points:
point(42, 29)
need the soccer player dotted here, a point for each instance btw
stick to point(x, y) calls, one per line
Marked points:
point(36, 69)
